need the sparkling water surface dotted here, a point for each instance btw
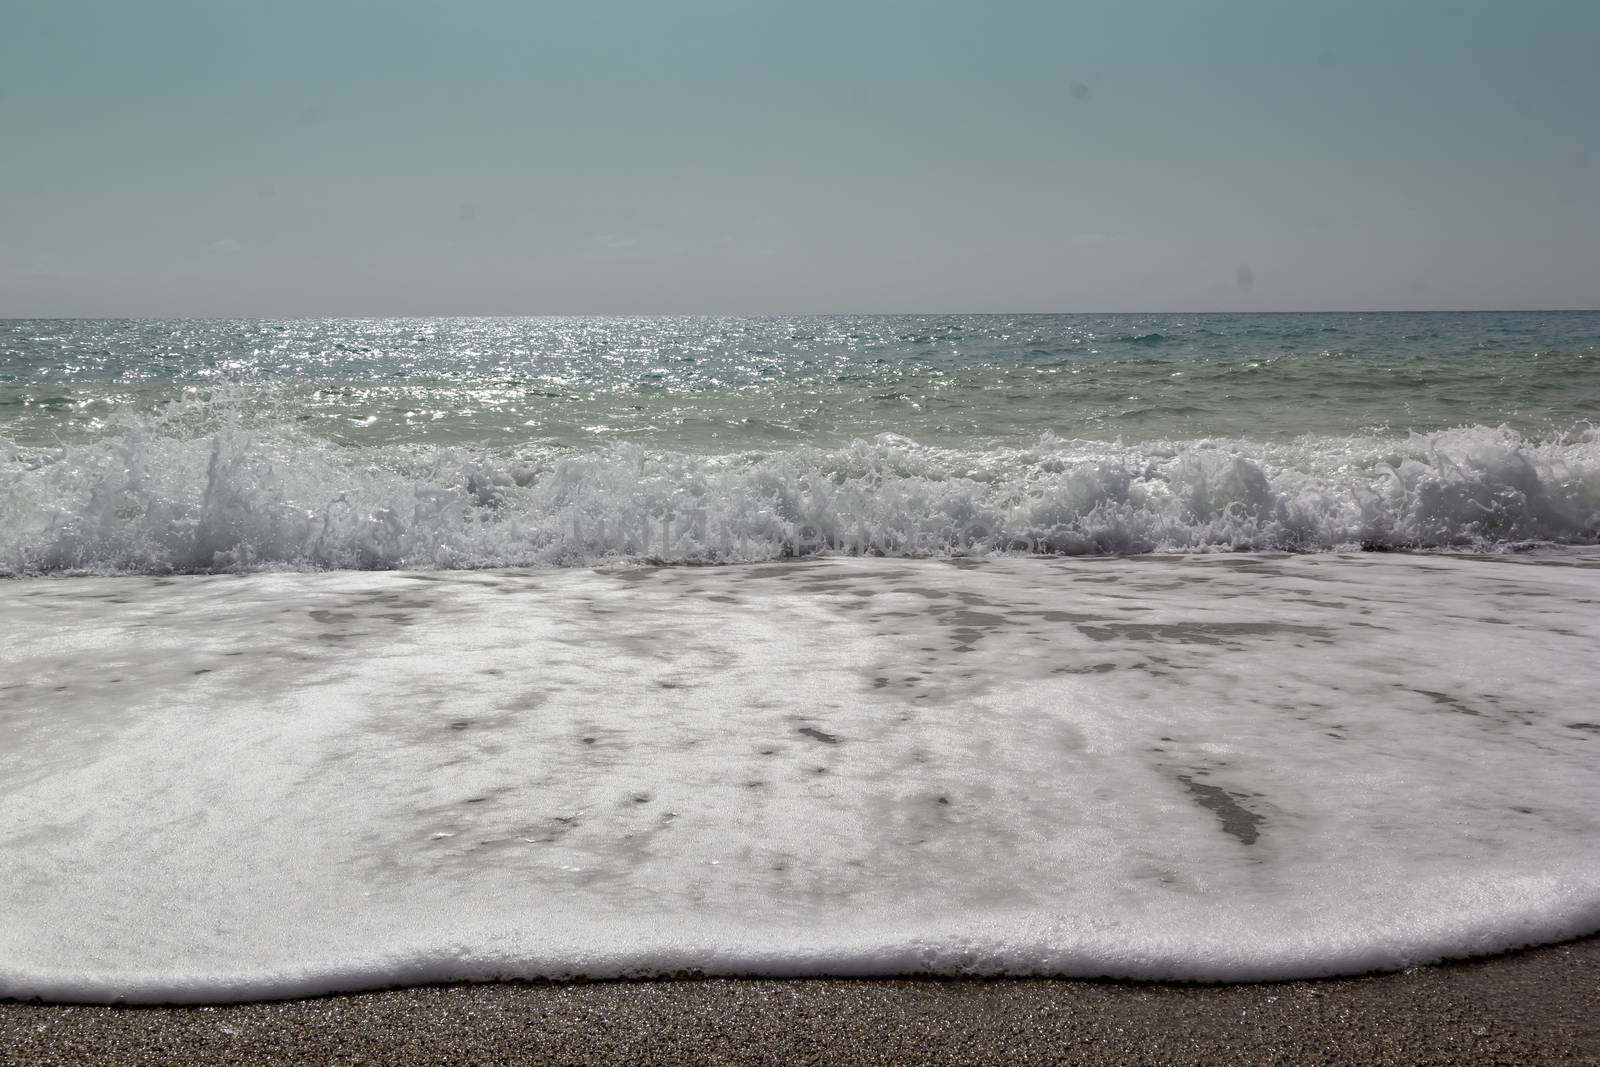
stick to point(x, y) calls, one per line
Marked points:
point(729, 383)
point(463, 443)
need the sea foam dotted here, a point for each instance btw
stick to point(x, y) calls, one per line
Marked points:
point(196, 489)
point(1210, 768)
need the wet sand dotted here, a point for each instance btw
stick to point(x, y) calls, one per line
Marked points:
point(1541, 1006)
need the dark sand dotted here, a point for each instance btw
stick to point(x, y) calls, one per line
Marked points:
point(1536, 1007)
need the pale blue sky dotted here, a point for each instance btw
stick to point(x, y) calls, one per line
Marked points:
point(221, 157)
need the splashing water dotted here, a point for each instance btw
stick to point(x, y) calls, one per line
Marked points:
point(206, 485)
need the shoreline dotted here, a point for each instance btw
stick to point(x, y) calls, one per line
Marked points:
point(1535, 1006)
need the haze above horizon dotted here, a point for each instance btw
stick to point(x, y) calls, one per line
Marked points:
point(196, 158)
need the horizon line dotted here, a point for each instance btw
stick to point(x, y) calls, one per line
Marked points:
point(787, 314)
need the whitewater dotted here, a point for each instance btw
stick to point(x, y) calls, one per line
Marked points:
point(344, 654)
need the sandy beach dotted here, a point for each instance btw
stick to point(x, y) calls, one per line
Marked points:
point(1541, 1006)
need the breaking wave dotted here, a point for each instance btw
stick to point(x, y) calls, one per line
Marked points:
point(202, 488)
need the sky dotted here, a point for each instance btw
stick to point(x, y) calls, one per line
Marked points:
point(509, 157)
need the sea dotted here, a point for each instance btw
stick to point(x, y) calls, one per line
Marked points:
point(344, 654)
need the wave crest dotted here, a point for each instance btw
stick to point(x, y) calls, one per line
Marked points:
point(207, 491)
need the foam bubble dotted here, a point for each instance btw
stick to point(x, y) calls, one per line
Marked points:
point(206, 487)
point(1215, 768)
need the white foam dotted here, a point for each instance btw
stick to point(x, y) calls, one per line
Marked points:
point(1217, 768)
point(208, 488)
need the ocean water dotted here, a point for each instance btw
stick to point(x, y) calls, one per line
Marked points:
point(338, 655)
point(181, 446)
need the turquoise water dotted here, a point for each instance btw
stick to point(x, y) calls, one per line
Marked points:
point(478, 442)
point(739, 382)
